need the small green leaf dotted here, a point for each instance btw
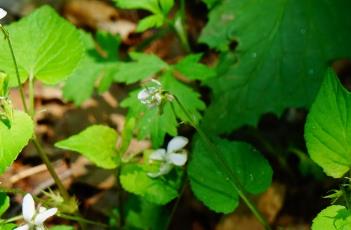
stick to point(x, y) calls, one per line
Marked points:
point(156, 190)
point(327, 131)
point(142, 67)
point(97, 143)
point(4, 203)
point(210, 182)
point(151, 21)
point(46, 47)
point(334, 217)
point(192, 69)
point(166, 6)
point(14, 139)
point(150, 5)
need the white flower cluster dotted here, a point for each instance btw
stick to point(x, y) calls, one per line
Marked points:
point(34, 217)
point(153, 96)
point(175, 155)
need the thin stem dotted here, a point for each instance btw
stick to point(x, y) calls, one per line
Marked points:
point(175, 206)
point(7, 37)
point(180, 26)
point(120, 200)
point(31, 96)
point(233, 178)
point(45, 159)
point(79, 219)
point(12, 219)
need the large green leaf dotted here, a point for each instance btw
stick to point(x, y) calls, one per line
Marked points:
point(97, 143)
point(335, 217)
point(46, 47)
point(284, 47)
point(159, 190)
point(211, 183)
point(328, 130)
point(14, 139)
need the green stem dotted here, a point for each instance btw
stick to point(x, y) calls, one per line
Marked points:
point(7, 37)
point(233, 178)
point(13, 219)
point(180, 26)
point(175, 206)
point(31, 96)
point(45, 159)
point(79, 219)
point(120, 200)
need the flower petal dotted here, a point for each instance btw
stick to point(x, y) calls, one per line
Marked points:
point(178, 159)
point(3, 13)
point(158, 155)
point(176, 144)
point(42, 216)
point(143, 95)
point(28, 207)
point(23, 227)
point(165, 169)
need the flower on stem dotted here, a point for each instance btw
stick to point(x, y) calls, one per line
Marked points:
point(154, 96)
point(3, 13)
point(34, 217)
point(175, 155)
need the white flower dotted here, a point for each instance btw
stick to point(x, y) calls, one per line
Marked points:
point(174, 156)
point(3, 13)
point(150, 96)
point(34, 218)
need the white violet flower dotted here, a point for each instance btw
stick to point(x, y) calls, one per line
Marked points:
point(3, 13)
point(175, 155)
point(34, 218)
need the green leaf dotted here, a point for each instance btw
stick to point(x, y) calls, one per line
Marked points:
point(93, 68)
point(46, 47)
point(7, 226)
point(156, 190)
point(4, 203)
point(327, 131)
point(14, 139)
point(189, 98)
point(166, 6)
point(142, 67)
point(210, 3)
point(143, 214)
point(80, 84)
point(150, 122)
point(190, 68)
point(151, 21)
point(150, 5)
point(210, 182)
point(284, 47)
point(97, 143)
point(334, 217)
